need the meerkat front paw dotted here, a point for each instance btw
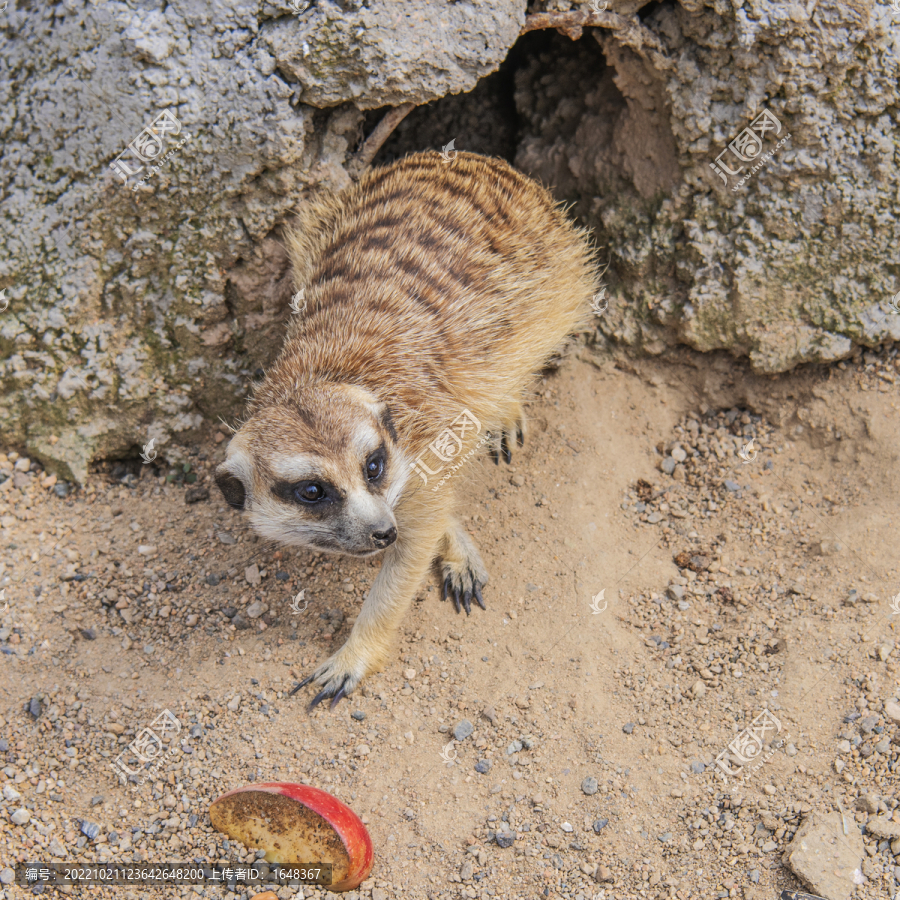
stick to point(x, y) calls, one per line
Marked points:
point(463, 573)
point(340, 674)
point(511, 435)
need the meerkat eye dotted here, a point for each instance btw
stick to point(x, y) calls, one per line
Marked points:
point(375, 466)
point(309, 493)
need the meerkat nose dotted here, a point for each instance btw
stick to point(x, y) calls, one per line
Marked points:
point(384, 538)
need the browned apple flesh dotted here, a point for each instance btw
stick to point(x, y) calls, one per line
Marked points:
point(290, 832)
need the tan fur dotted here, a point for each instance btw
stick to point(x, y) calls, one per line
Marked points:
point(432, 287)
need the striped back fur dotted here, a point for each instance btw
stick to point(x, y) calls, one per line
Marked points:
point(438, 286)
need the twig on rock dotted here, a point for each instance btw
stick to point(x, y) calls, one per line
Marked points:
point(376, 139)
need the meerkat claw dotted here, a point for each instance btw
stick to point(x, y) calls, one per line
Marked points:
point(520, 436)
point(478, 596)
point(301, 684)
point(467, 602)
point(325, 693)
point(507, 453)
point(338, 696)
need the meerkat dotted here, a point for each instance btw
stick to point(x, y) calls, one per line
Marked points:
point(435, 291)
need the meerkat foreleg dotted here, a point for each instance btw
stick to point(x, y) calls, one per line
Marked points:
point(421, 525)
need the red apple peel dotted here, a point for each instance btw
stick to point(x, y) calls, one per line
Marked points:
point(296, 825)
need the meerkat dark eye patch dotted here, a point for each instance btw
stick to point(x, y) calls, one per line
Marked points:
point(232, 489)
point(306, 493)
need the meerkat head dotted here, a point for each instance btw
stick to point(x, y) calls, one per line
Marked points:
point(322, 470)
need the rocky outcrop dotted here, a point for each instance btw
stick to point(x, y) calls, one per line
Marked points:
point(151, 153)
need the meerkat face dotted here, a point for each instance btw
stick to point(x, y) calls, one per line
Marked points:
point(323, 470)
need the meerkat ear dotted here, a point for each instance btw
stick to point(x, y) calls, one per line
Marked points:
point(232, 487)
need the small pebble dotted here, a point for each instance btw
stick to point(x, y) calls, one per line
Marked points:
point(628, 727)
point(21, 817)
point(196, 494)
point(359, 715)
point(463, 729)
point(600, 824)
point(90, 830)
point(589, 785)
point(483, 766)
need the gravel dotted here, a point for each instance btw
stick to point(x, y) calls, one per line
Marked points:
point(55, 769)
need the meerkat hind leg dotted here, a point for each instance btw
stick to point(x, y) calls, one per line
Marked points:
point(463, 573)
point(511, 435)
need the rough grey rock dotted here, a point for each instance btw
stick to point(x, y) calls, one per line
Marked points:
point(388, 53)
point(778, 269)
point(143, 308)
point(825, 859)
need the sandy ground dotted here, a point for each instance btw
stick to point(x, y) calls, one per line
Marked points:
point(638, 622)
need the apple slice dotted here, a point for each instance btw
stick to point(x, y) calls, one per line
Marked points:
point(296, 825)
